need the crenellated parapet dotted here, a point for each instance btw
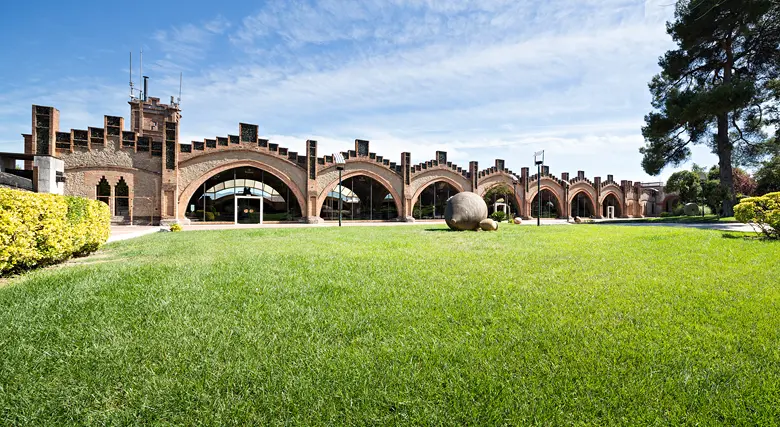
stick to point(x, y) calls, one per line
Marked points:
point(361, 153)
point(441, 163)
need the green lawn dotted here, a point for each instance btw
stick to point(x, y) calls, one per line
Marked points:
point(399, 325)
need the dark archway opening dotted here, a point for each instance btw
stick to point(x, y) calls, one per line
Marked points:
point(254, 192)
point(671, 204)
point(501, 198)
point(550, 208)
point(611, 201)
point(103, 191)
point(433, 200)
point(121, 198)
point(363, 199)
point(582, 206)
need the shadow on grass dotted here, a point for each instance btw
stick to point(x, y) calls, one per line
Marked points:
point(448, 230)
point(748, 236)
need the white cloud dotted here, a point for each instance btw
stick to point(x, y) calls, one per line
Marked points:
point(479, 79)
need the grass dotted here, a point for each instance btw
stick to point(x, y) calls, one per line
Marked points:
point(683, 219)
point(399, 325)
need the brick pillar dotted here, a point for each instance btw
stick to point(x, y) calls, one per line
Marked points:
point(524, 192)
point(310, 214)
point(597, 202)
point(474, 175)
point(169, 194)
point(406, 194)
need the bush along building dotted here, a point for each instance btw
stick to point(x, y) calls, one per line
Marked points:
point(147, 175)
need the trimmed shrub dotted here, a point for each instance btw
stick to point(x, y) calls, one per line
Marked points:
point(41, 229)
point(761, 212)
point(498, 216)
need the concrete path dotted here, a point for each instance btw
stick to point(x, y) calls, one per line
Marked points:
point(722, 226)
point(124, 232)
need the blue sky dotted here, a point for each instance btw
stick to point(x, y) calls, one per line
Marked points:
point(481, 79)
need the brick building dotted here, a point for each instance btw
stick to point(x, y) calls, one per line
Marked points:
point(147, 175)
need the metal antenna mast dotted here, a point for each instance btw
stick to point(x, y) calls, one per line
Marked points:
point(131, 75)
point(178, 101)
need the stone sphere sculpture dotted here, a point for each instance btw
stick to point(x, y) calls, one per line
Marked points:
point(465, 211)
point(691, 209)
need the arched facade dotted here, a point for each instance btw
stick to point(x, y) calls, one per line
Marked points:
point(356, 170)
point(199, 172)
point(160, 173)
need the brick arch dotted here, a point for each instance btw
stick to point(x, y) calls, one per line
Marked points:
point(495, 183)
point(327, 187)
point(586, 187)
point(186, 194)
point(590, 195)
point(554, 189)
point(420, 180)
point(493, 180)
point(618, 194)
point(427, 184)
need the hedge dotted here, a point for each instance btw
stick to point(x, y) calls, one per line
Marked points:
point(42, 229)
point(762, 212)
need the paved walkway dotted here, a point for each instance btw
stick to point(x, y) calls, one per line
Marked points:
point(124, 232)
point(723, 226)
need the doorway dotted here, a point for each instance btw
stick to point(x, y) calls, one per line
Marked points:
point(248, 210)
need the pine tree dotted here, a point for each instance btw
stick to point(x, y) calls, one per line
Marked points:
point(713, 89)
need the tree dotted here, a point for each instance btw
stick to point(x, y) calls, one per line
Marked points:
point(744, 184)
point(714, 87)
point(768, 177)
point(686, 185)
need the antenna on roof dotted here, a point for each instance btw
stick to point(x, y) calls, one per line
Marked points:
point(131, 75)
point(141, 72)
point(178, 101)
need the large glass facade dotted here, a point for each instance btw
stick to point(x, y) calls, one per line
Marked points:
point(581, 206)
point(362, 199)
point(433, 200)
point(243, 195)
point(550, 208)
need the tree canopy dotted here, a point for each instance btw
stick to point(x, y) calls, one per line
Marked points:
point(718, 87)
point(686, 184)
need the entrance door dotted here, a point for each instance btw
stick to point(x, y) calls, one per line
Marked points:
point(249, 210)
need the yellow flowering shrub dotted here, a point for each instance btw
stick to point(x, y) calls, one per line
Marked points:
point(41, 229)
point(762, 212)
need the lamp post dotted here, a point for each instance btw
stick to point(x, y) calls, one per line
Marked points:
point(702, 179)
point(539, 160)
point(339, 159)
